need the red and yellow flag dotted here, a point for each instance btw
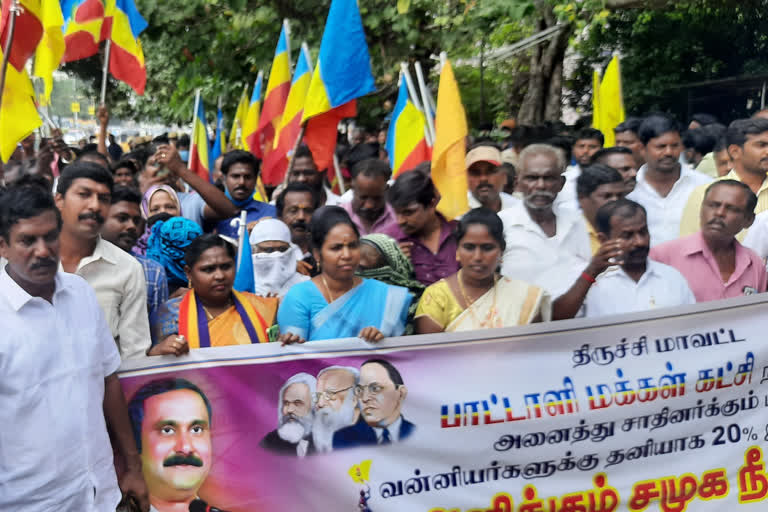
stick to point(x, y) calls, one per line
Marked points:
point(126, 59)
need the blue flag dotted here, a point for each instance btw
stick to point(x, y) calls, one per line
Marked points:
point(244, 276)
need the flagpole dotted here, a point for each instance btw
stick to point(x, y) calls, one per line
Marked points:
point(287, 27)
point(241, 230)
point(192, 144)
point(105, 72)
point(339, 177)
point(15, 10)
point(425, 99)
point(415, 98)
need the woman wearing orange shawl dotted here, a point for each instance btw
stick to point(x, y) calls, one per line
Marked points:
point(211, 314)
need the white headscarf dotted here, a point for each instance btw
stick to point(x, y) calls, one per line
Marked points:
point(274, 272)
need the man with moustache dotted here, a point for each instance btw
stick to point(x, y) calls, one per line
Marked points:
point(293, 436)
point(121, 228)
point(663, 184)
point(381, 394)
point(60, 389)
point(335, 404)
point(622, 279)
point(83, 197)
point(368, 208)
point(240, 170)
point(295, 206)
point(627, 137)
point(747, 145)
point(715, 264)
point(547, 243)
point(172, 421)
point(486, 178)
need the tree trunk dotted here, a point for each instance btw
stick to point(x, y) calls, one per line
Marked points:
point(543, 99)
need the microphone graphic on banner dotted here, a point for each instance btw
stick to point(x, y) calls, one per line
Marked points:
point(199, 505)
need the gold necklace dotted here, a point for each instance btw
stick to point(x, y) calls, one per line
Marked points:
point(327, 288)
point(491, 312)
point(210, 316)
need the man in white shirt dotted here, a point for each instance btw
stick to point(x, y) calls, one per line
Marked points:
point(621, 278)
point(60, 389)
point(84, 198)
point(486, 179)
point(663, 184)
point(588, 142)
point(547, 245)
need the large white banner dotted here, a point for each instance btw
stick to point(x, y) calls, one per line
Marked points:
point(666, 411)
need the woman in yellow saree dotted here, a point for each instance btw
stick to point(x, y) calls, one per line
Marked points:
point(477, 297)
point(211, 314)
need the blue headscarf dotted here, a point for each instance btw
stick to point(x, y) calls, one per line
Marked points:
point(166, 245)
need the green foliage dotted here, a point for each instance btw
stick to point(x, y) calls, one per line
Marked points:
point(688, 42)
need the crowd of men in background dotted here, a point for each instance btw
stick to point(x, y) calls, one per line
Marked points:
point(668, 216)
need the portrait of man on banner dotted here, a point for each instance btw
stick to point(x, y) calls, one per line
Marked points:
point(295, 415)
point(171, 420)
point(380, 394)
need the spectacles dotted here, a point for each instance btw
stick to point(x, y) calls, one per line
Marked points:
point(372, 389)
point(329, 395)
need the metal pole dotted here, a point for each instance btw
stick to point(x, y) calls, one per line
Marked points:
point(425, 99)
point(15, 10)
point(482, 81)
point(192, 144)
point(414, 97)
point(339, 177)
point(762, 98)
point(105, 73)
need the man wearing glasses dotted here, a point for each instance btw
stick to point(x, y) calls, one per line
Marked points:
point(380, 396)
point(335, 404)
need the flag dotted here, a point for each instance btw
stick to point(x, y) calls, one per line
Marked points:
point(596, 117)
point(18, 116)
point(198, 154)
point(611, 101)
point(51, 48)
point(27, 33)
point(251, 135)
point(448, 171)
point(276, 162)
point(342, 74)
point(83, 20)
point(406, 141)
point(244, 280)
point(221, 143)
point(278, 86)
point(236, 134)
point(123, 23)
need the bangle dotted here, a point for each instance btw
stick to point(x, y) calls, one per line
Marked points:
point(588, 278)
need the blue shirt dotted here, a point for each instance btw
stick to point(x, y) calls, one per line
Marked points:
point(256, 210)
point(157, 283)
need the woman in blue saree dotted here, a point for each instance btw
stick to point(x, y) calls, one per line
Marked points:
point(336, 303)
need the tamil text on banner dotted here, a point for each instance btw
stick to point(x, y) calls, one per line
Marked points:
point(667, 412)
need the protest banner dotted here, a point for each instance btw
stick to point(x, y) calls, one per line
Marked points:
point(657, 411)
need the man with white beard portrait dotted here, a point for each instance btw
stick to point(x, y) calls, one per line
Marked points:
point(295, 416)
point(335, 404)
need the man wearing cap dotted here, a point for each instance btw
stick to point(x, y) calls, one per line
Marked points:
point(486, 179)
point(274, 258)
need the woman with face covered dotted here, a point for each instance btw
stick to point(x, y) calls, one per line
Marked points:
point(336, 303)
point(211, 313)
point(274, 258)
point(477, 297)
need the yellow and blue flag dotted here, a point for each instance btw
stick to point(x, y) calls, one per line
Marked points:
point(251, 135)
point(199, 163)
point(278, 86)
point(126, 58)
point(406, 139)
point(244, 278)
point(83, 22)
point(343, 73)
point(221, 143)
point(276, 162)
